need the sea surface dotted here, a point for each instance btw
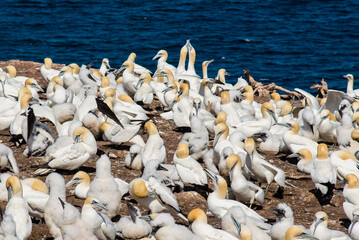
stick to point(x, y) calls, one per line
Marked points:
point(292, 43)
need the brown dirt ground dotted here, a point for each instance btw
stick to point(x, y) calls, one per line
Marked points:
point(303, 203)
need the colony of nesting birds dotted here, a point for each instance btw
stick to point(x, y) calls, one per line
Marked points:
point(82, 106)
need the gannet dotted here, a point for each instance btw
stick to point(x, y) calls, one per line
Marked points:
point(284, 220)
point(197, 139)
point(47, 71)
point(323, 175)
point(253, 127)
point(353, 229)
point(104, 187)
point(319, 228)
point(117, 134)
point(168, 229)
point(189, 170)
point(243, 189)
point(201, 228)
point(295, 142)
point(95, 221)
point(71, 224)
point(344, 130)
point(82, 179)
point(161, 63)
point(327, 128)
point(71, 153)
point(308, 128)
point(53, 208)
point(154, 196)
point(262, 170)
point(350, 194)
point(227, 106)
point(344, 163)
point(181, 67)
point(18, 208)
point(133, 160)
point(87, 78)
point(259, 229)
point(6, 157)
point(133, 226)
point(154, 148)
point(70, 81)
point(305, 164)
point(184, 106)
point(144, 93)
point(129, 79)
point(138, 69)
point(219, 205)
point(298, 232)
point(350, 91)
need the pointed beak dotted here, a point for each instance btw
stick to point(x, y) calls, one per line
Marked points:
point(237, 224)
point(294, 155)
point(61, 73)
point(140, 81)
point(196, 106)
point(317, 223)
point(72, 182)
point(355, 220)
point(211, 175)
point(273, 115)
point(99, 205)
point(62, 203)
point(307, 236)
point(122, 68)
point(33, 101)
point(37, 86)
point(157, 56)
point(216, 138)
point(147, 218)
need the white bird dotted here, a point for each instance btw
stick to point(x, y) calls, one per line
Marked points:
point(243, 189)
point(154, 196)
point(206, 117)
point(295, 142)
point(118, 134)
point(129, 79)
point(184, 106)
point(82, 179)
point(350, 91)
point(53, 209)
point(133, 226)
point(144, 93)
point(344, 130)
point(205, 231)
point(70, 153)
point(96, 222)
point(47, 71)
point(104, 187)
point(284, 220)
point(305, 164)
point(350, 194)
point(6, 157)
point(319, 228)
point(133, 160)
point(154, 148)
point(258, 229)
point(262, 170)
point(189, 170)
point(323, 175)
point(161, 63)
point(344, 163)
point(71, 225)
point(138, 69)
point(327, 127)
point(18, 208)
point(219, 205)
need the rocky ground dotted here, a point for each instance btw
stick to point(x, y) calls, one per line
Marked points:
point(301, 199)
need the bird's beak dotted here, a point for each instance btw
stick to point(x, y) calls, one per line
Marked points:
point(294, 155)
point(355, 220)
point(122, 68)
point(61, 73)
point(216, 138)
point(99, 205)
point(33, 101)
point(140, 81)
point(157, 56)
point(307, 236)
point(196, 106)
point(37, 86)
point(147, 218)
point(237, 224)
point(273, 115)
point(211, 175)
point(72, 182)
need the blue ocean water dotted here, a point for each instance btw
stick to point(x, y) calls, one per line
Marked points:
point(291, 43)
